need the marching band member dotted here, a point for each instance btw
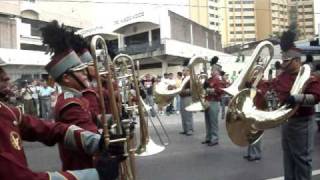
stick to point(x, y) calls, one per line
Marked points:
point(297, 134)
point(186, 100)
point(213, 87)
point(81, 47)
point(16, 126)
point(71, 107)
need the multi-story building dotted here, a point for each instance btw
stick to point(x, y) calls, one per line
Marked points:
point(20, 22)
point(303, 11)
point(205, 12)
point(240, 22)
point(271, 18)
point(245, 21)
point(162, 40)
point(168, 40)
point(22, 19)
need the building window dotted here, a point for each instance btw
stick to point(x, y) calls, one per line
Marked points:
point(248, 9)
point(32, 1)
point(248, 17)
point(249, 32)
point(247, 2)
point(248, 24)
point(156, 36)
point(136, 39)
point(250, 39)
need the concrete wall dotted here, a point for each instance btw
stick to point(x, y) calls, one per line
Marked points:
point(10, 7)
point(16, 71)
point(8, 32)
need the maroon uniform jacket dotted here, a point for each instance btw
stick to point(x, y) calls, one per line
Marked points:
point(282, 85)
point(215, 82)
point(73, 108)
point(92, 97)
point(15, 127)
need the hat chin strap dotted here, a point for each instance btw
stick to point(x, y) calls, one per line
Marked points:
point(88, 74)
point(78, 80)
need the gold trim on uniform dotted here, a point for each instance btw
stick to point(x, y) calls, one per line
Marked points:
point(15, 140)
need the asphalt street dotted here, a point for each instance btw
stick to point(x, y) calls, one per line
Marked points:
point(185, 158)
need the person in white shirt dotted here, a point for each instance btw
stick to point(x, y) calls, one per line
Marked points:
point(45, 93)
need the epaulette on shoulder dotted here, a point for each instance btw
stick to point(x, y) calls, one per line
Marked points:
point(88, 91)
point(68, 95)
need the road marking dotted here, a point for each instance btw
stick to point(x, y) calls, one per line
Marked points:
point(315, 172)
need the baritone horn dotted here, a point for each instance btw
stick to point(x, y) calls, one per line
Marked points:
point(245, 122)
point(196, 84)
point(127, 168)
point(251, 67)
point(128, 76)
point(164, 94)
point(238, 128)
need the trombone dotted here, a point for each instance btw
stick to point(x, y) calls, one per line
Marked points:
point(126, 74)
point(127, 169)
point(150, 109)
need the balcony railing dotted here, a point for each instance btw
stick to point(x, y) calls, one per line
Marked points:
point(141, 48)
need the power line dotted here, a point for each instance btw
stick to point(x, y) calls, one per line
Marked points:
point(145, 3)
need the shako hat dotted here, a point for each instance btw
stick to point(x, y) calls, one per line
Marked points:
point(214, 63)
point(288, 49)
point(64, 58)
point(81, 47)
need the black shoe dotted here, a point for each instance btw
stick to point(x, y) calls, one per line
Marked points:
point(205, 142)
point(254, 158)
point(182, 133)
point(246, 157)
point(212, 143)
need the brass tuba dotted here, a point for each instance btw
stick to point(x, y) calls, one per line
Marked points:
point(244, 122)
point(196, 84)
point(165, 95)
point(251, 67)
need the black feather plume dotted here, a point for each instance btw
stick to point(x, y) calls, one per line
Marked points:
point(287, 40)
point(53, 35)
point(277, 65)
point(77, 42)
point(214, 60)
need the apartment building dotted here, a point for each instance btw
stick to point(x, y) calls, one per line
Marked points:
point(245, 21)
point(303, 11)
point(240, 22)
point(205, 12)
point(272, 18)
